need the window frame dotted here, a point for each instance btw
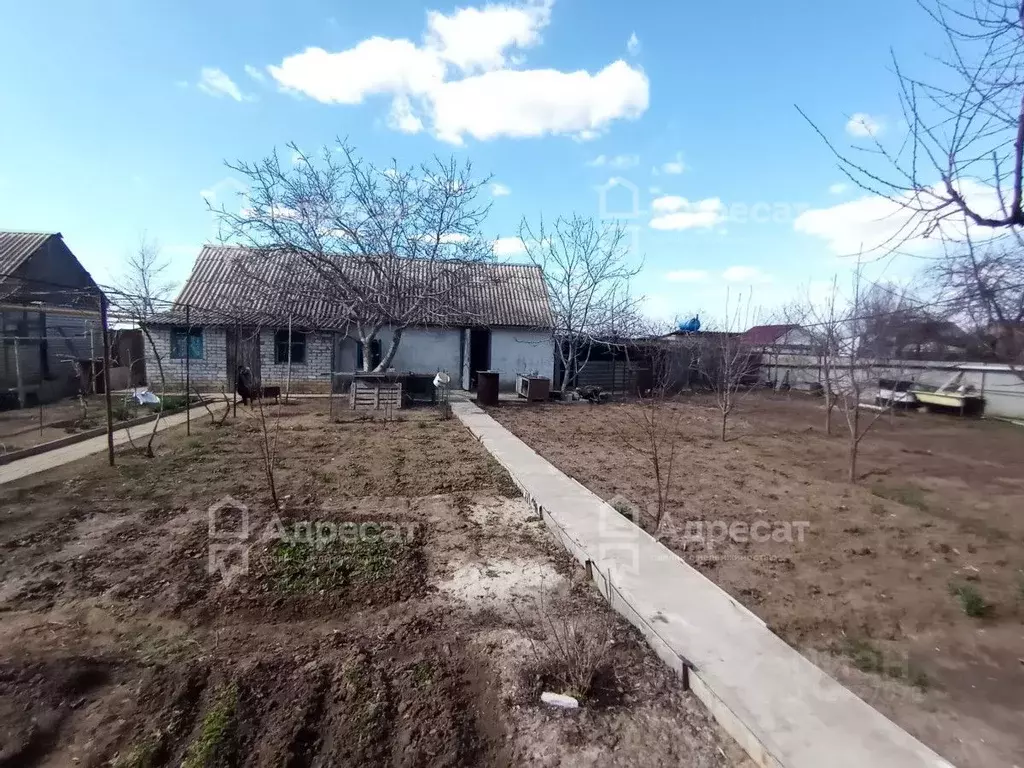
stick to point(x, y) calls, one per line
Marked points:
point(179, 332)
point(299, 343)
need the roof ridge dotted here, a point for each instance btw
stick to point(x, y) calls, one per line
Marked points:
point(29, 232)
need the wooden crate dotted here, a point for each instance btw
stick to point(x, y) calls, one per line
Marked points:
point(375, 394)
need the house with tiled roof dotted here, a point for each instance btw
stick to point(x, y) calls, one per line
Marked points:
point(277, 315)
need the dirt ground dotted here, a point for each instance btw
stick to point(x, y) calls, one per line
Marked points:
point(415, 629)
point(26, 427)
point(879, 589)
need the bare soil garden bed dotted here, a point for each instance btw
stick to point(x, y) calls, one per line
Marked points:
point(118, 647)
point(908, 587)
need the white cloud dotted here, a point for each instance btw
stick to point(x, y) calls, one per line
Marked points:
point(837, 189)
point(476, 39)
point(633, 45)
point(741, 274)
point(500, 190)
point(862, 125)
point(402, 118)
point(228, 187)
point(873, 223)
point(377, 65)
point(617, 161)
point(215, 82)
point(509, 246)
point(536, 102)
point(687, 276)
point(492, 100)
point(674, 167)
point(677, 213)
point(255, 73)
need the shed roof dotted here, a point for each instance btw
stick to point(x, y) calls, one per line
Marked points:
point(17, 247)
point(232, 284)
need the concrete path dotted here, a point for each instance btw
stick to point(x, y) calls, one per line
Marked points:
point(55, 458)
point(778, 705)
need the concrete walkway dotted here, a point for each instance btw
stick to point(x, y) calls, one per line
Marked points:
point(778, 705)
point(55, 458)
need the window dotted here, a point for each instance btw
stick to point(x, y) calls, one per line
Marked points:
point(190, 339)
point(298, 346)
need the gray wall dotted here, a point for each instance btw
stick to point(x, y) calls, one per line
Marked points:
point(515, 351)
point(1002, 389)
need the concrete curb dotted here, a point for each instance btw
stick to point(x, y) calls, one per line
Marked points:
point(781, 708)
point(78, 437)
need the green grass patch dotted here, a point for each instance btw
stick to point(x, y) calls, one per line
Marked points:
point(866, 657)
point(303, 567)
point(907, 495)
point(214, 728)
point(423, 673)
point(973, 604)
point(141, 755)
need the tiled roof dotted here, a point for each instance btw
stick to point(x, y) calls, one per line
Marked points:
point(16, 247)
point(232, 284)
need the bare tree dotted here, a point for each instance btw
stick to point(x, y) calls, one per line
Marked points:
point(587, 270)
point(963, 154)
point(824, 324)
point(140, 293)
point(143, 288)
point(983, 288)
point(385, 247)
point(659, 425)
point(850, 372)
point(725, 363)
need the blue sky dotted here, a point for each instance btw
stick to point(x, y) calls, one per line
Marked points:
point(117, 116)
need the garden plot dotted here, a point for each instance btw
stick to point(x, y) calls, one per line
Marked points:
point(908, 587)
point(403, 607)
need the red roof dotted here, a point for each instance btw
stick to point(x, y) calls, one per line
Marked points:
point(761, 335)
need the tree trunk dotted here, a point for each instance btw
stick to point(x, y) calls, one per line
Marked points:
point(568, 361)
point(854, 439)
point(828, 414)
point(725, 416)
point(367, 343)
point(389, 356)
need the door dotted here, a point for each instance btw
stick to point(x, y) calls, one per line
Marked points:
point(243, 349)
point(479, 353)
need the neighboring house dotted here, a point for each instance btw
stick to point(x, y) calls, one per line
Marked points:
point(917, 339)
point(502, 323)
point(788, 339)
point(50, 313)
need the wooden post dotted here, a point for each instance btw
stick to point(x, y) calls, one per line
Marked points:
point(92, 356)
point(188, 369)
point(330, 380)
point(288, 370)
point(106, 379)
point(19, 383)
point(233, 380)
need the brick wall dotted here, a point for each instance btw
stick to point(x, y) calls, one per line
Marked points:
point(311, 376)
point(208, 373)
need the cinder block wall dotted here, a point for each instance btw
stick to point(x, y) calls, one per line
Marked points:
point(208, 373)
